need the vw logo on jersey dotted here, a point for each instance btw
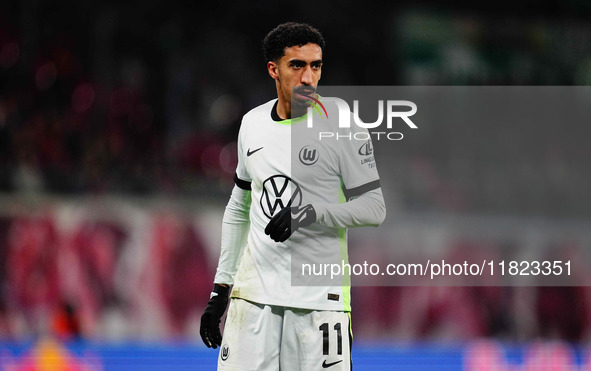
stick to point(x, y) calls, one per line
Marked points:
point(366, 149)
point(309, 155)
point(279, 192)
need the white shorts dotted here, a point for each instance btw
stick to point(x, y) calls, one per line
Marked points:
point(266, 337)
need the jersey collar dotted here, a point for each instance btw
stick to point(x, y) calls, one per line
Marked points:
point(275, 117)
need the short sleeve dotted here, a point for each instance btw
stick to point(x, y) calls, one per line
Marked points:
point(357, 163)
point(241, 177)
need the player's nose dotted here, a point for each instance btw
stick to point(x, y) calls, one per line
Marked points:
point(306, 77)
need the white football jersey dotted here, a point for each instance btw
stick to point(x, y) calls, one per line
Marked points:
point(285, 163)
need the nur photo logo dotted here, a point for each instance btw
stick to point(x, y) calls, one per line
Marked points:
point(388, 112)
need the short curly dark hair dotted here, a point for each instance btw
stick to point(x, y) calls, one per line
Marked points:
point(287, 35)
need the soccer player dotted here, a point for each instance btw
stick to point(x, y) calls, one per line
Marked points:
point(282, 204)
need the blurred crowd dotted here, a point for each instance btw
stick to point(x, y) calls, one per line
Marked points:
point(146, 274)
point(101, 279)
point(419, 310)
point(85, 107)
point(113, 98)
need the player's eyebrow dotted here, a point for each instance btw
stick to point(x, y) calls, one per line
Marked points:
point(299, 62)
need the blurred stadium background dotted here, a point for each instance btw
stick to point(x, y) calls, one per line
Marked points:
point(117, 150)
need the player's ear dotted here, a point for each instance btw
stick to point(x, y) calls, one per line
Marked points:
point(273, 70)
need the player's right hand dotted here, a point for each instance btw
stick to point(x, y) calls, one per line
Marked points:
point(211, 318)
point(288, 220)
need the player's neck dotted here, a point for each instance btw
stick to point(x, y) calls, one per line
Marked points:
point(283, 108)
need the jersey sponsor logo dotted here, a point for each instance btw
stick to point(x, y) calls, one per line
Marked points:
point(279, 192)
point(366, 149)
point(309, 155)
point(249, 152)
point(327, 365)
point(225, 353)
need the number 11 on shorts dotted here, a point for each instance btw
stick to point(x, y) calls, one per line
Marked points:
point(325, 344)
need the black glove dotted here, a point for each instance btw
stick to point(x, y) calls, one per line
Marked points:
point(211, 318)
point(289, 220)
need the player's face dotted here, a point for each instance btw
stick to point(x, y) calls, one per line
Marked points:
point(298, 71)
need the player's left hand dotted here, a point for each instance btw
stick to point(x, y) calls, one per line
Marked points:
point(288, 220)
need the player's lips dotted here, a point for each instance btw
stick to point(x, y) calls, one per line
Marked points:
point(305, 94)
